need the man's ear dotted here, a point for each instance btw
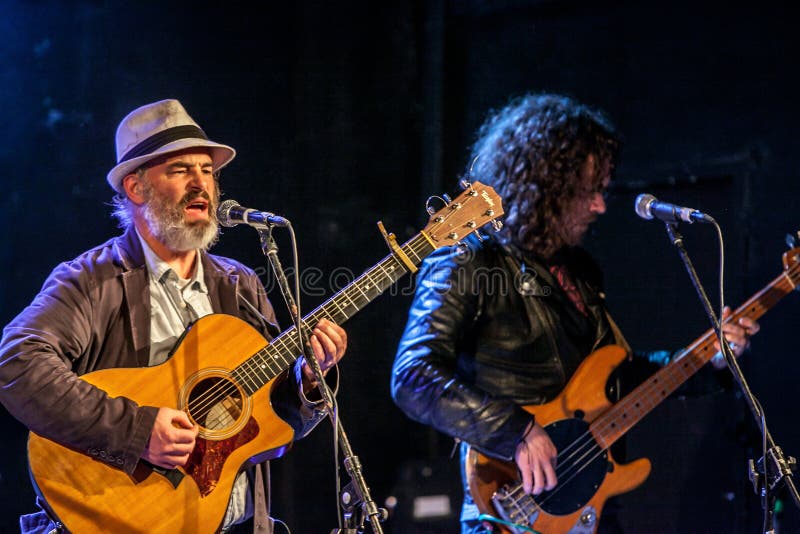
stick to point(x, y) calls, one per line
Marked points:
point(132, 184)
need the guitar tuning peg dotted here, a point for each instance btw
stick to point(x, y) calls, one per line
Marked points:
point(461, 248)
point(497, 225)
point(480, 237)
point(429, 207)
point(446, 197)
point(791, 240)
point(464, 184)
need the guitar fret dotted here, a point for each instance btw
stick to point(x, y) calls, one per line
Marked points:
point(288, 344)
point(262, 367)
point(341, 311)
point(345, 295)
point(241, 377)
point(412, 252)
point(266, 365)
point(366, 298)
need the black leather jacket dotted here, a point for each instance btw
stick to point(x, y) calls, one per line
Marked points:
point(490, 330)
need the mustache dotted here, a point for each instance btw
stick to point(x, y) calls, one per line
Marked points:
point(190, 197)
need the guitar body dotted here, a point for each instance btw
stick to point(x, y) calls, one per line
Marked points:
point(577, 505)
point(88, 495)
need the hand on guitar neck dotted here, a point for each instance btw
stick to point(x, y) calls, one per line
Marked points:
point(329, 343)
point(738, 335)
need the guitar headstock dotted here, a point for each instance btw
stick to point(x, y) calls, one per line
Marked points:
point(791, 258)
point(476, 206)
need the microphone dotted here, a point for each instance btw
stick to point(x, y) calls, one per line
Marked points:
point(648, 207)
point(230, 213)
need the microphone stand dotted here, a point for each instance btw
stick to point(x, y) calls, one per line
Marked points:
point(356, 492)
point(772, 471)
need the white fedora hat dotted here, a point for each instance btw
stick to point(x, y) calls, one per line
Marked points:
point(156, 129)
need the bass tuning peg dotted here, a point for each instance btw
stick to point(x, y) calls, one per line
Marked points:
point(792, 240)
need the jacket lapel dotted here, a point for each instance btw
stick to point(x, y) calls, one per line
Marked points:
point(222, 291)
point(221, 286)
point(137, 293)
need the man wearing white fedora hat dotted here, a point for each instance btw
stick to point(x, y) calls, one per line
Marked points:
point(126, 304)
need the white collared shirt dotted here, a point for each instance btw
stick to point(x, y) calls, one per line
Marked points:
point(174, 304)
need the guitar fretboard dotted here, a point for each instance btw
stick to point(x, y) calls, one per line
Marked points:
point(282, 351)
point(630, 410)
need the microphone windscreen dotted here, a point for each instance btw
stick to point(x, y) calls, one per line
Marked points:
point(642, 205)
point(224, 213)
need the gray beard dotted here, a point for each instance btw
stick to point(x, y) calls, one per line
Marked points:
point(167, 224)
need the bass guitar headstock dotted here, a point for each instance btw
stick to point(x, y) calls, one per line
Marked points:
point(791, 258)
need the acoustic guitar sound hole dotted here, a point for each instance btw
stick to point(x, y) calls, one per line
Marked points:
point(215, 403)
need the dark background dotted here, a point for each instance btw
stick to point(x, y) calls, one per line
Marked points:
point(346, 113)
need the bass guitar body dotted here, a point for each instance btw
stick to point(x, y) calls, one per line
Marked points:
point(592, 477)
point(583, 424)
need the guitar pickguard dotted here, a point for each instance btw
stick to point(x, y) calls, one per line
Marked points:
point(583, 465)
point(206, 461)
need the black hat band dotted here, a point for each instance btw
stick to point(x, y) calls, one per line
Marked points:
point(162, 138)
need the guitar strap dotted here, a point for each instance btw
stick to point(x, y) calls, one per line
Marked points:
point(262, 522)
point(618, 337)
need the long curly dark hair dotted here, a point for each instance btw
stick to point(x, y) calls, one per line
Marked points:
point(533, 152)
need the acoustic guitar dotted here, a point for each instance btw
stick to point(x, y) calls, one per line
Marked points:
point(221, 374)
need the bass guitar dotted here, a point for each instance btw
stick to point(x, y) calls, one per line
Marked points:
point(583, 424)
point(221, 374)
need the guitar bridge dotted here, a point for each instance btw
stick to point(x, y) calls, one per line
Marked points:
point(518, 511)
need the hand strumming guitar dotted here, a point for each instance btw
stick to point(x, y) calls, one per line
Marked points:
point(536, 459)
point(171, 440)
